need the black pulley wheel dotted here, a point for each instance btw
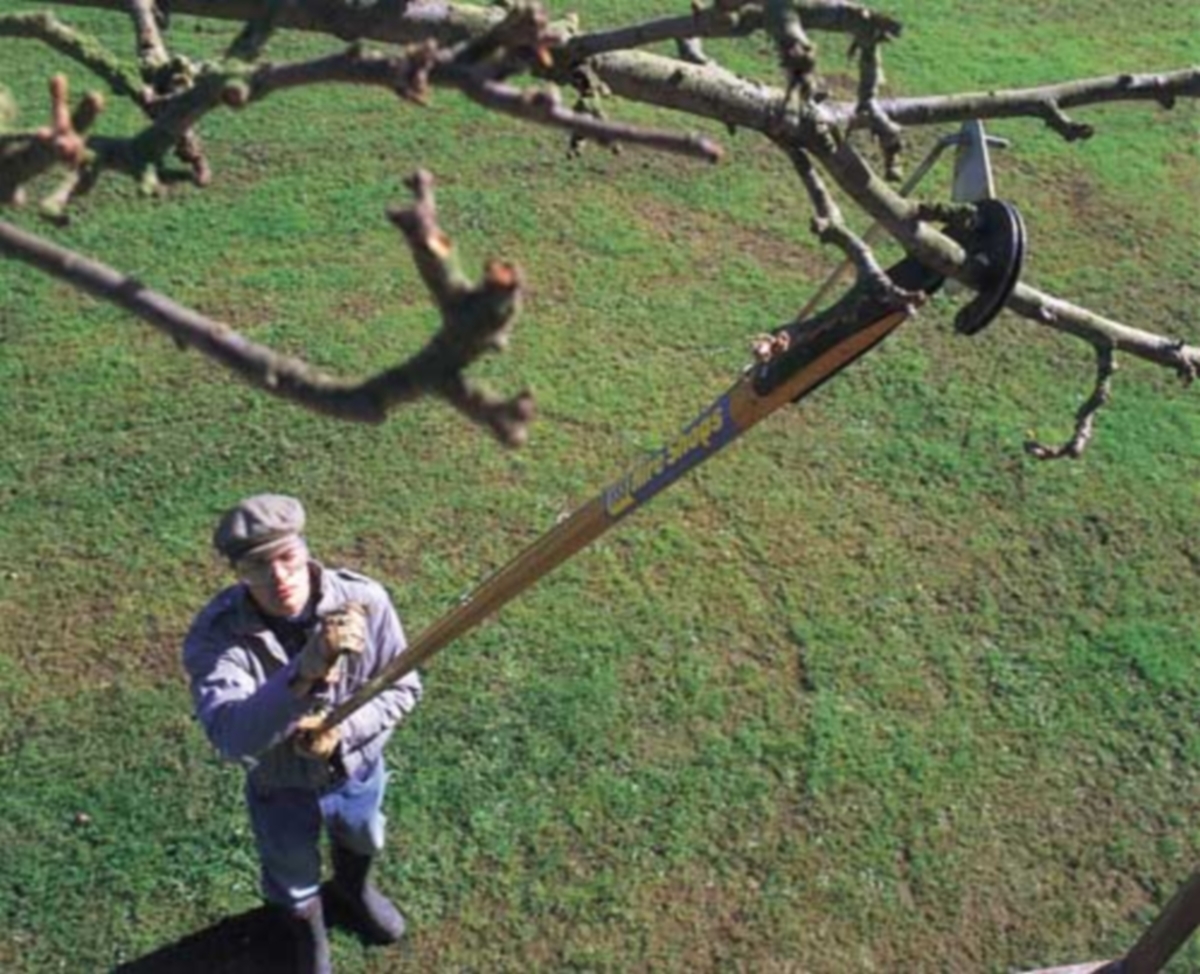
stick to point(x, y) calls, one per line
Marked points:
point(998, 249)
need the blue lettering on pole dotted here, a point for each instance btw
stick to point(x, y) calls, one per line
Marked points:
point(710, 431)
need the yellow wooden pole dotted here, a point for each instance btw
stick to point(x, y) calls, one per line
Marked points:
point(832, 343)
point(819, 349)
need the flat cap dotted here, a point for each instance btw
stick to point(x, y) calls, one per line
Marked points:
point(257, 524)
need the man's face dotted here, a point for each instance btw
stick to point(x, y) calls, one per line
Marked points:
point(279, 582)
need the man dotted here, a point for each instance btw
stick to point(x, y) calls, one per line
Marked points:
point(265, 658)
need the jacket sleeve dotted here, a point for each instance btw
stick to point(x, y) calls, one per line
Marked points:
point(399, 700)
point(242, 717)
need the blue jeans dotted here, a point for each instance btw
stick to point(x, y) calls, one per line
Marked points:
point(287, 831)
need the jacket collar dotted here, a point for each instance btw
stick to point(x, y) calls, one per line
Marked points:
point(249, 621)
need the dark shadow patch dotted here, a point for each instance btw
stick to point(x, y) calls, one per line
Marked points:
point(254, 942)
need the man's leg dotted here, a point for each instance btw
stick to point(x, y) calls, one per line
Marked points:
point(354, 815)
point(287, 830)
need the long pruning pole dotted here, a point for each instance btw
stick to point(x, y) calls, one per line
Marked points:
point(819, 348)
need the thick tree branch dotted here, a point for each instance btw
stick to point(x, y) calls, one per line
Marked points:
point(409, 21)
point(811, 129)
point(713, 93)
point(631, 74)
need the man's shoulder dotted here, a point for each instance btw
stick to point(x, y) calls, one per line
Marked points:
point(357, 586)
point(221, 613)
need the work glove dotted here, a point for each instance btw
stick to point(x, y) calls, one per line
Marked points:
point(313, 744)
point(341, 632)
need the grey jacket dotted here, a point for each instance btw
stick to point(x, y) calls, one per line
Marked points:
point(239, 680)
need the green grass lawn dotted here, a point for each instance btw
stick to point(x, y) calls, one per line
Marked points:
point(872, 691)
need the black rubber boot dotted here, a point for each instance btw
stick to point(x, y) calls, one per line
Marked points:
point(371, 913)
point(306, 926)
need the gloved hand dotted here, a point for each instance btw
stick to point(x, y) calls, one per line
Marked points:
point(340, 632)
point(309, 743)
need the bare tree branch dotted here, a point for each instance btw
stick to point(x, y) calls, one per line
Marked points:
point(165, 76)
point(545, 107)
point(1063, 316)
point(252, 39)
point(26, 155)
point(712, 22)
point(797, 52)
point(159, 76)
point(152, 52)
point(830, 227)
point(869, 113)
point(410, 76)
point(475, 320)
point(389, 21)
point(176, 113)
point(1047, 102)
point(474, 49)
point(731, 20)
point(1085, 418)
point(123, 78)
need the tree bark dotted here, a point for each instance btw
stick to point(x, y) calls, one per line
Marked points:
point(813, 131)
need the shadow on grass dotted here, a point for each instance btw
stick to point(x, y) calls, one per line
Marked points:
point(254, 942)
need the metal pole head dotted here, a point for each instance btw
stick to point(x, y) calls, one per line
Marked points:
point(972, 166)
point(999, 244)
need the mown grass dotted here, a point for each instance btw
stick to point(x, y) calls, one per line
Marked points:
point(871, 692)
